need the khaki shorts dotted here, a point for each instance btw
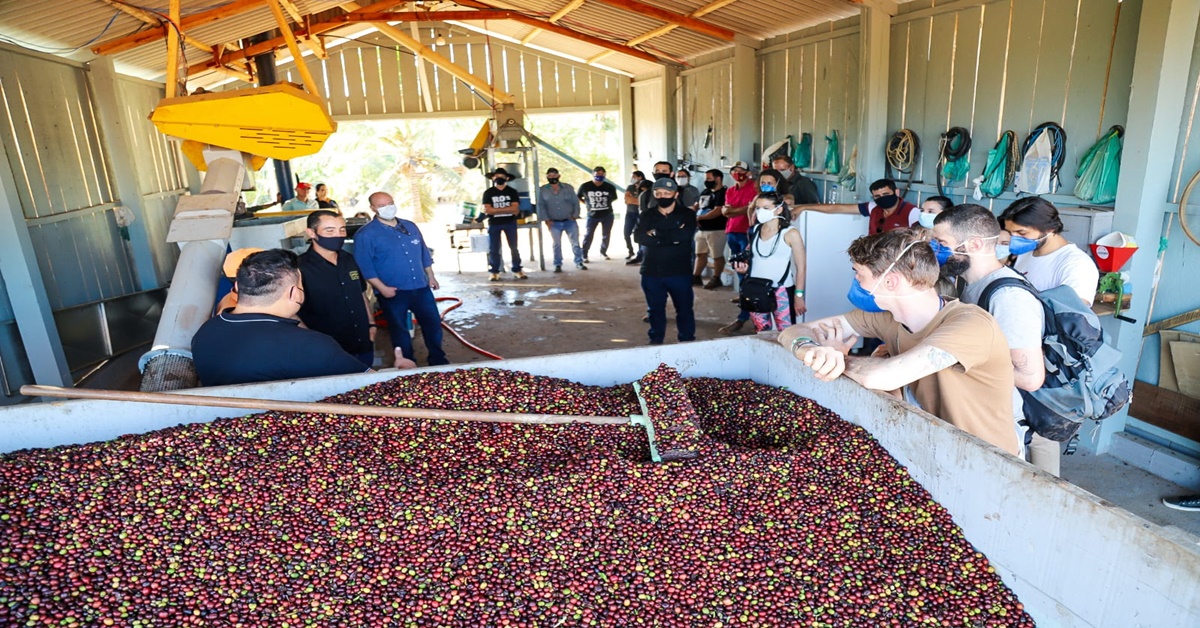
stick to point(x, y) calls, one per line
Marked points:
point(711, 243)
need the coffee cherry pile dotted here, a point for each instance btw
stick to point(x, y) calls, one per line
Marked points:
point(788, 517)
point(676, 426)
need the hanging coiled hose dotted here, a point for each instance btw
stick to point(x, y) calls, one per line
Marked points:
point(1183, 203)
point(1058, 142)
point(954, 150)
point(903, 153)
point(1000, 168)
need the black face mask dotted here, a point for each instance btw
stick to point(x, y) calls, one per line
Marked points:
point(956, 266)
point(499, 181)
point(887, 201)
point(662, 175)
point(331, 243)
point(552, 180)
point(664, 203)
point(709, 185)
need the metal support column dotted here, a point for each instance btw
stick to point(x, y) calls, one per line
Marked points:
point(747, 104)
point(102, 78)
point(625, 119)
point(875, 43)
point(670, 87)
point(26, 288)
point(1161, 67)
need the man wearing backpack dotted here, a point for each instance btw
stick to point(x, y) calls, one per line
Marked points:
point(964, 241)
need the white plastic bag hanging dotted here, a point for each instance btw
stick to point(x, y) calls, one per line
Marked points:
point(1034, 175)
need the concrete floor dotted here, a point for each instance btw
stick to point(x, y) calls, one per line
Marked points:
point(602, 308)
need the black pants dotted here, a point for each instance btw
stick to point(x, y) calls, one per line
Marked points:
point(602, 218)
point(631, 216)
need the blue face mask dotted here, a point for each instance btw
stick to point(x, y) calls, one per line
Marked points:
point(926, 219)
point(766, 187)
point(598, 178)
point(1002, 252)
point(941, 251)
point(1021, 246)
point(861, 299)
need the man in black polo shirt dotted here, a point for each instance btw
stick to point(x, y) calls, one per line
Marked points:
point(667, 231)
point(501, 205)
point(598, 196)
point(335, 302)
point(260, 340)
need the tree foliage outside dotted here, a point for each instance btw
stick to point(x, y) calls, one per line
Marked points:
point(418, 162)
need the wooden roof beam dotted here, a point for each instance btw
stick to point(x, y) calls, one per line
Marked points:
point(156, 21)
point(663, 30)
point(289, 7)
point(553, 19)
point(121, 44)
point(682, 21)
point(423, 16)
point(887, 6)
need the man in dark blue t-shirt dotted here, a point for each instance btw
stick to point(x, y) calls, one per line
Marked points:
point(260, 340)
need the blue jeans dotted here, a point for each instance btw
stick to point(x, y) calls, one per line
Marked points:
point(422, 304)
point(631, 217)
point(495, 258)
point(606, 220)
point(737, 243)
point(657, 289)
point(571, 228)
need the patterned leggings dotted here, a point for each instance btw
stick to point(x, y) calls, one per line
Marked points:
point(782, 314)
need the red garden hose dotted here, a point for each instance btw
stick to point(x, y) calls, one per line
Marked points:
point(447, 327)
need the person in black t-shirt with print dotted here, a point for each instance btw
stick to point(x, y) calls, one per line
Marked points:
point(501, 204)
point(598, 196)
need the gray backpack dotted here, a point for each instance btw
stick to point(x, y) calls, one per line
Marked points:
point(1082, 379)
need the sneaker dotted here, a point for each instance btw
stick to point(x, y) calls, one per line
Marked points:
point(605, 256)
point(629, 255)
point(713, 284)
point(736, 300)
point(1190, 503)
point(732, 328)
point(558, 269)
point(582, 267)
point(636, 261)
point(697, 280)
point(520, 274)
point(586, 260)
point(494, 277)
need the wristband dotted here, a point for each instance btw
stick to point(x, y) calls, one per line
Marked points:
point(800, 292)
point(803, 341)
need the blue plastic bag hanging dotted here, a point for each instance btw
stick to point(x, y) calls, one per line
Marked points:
point(833, 154)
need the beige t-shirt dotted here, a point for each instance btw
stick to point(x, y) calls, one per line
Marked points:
point(974, 395)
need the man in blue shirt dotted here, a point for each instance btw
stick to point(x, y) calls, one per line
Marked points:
point(558, 207)
point(393, 258)
point(260, 339)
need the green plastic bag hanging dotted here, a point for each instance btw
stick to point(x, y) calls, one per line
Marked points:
point(802, 153)
point(833, 154)
point(847, 180)
point(1099, 168)
point(999, 169)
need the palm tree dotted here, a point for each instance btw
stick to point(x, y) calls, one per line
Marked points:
point(415, 172)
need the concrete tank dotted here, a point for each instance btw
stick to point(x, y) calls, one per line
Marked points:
point(1073, 559)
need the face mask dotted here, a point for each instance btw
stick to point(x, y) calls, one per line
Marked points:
point(330, 243)
point(552, 180)
point(599, 178)
point(941, 251)
point(739, 176)
point(634, 181)
point(1002, 252)
point(708, 185)
point(665, 202)
point(860, 298)
point(387, 212)
point(1021, 246)
point(766, 187)
point(682, 181)
point(764, 215)
point(887, 201)
point(786, 172)
point(661, 175)
point(499, 181)
point(926, 219)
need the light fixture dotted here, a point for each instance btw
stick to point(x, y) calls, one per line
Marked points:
point(440, 41)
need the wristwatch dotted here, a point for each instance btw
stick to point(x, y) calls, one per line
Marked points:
point(803, 341)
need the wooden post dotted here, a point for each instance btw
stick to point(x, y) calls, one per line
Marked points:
point(1161, 67)
point(294, 47)
point(875, 35)
point(173, 50)
point(747, 103)
point(625, 115)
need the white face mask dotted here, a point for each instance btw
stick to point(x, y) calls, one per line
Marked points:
point(387, 212)
point(926, 219)
point(682, 181)
point(764, 215)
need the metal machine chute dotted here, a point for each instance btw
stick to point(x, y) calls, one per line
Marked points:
point(225, 134)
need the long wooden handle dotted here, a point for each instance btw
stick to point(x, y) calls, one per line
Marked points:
point(316, 407)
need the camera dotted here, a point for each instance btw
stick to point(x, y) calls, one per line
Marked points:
point(743, 257)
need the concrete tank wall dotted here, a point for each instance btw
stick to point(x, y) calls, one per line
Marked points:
point(1073, 559)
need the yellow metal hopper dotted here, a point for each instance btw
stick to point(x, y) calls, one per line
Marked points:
point(280, 121)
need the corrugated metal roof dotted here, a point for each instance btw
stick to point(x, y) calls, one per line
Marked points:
point(68, 27)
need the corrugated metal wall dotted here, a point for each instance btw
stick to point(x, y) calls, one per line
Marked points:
point(376, 78)
point(707, 101)
point(649, 123)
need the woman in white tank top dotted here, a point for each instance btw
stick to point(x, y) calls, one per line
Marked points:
point(777, 254)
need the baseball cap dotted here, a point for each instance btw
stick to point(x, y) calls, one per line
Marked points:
point(234, 260)
point(666, 184)
point(303, 186)
point(740, 164)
